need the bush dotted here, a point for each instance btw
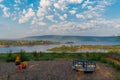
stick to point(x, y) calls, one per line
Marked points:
point(10, 57)
point(35, 56)
point(23, 56)
point(41, 54)
point(103, 60)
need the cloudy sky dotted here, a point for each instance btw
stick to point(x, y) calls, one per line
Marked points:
point(20, 18)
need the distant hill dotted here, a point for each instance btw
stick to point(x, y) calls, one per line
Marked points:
point(75, 38)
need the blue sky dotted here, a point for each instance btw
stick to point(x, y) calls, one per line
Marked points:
point(21, 18)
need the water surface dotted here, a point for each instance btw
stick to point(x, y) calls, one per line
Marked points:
point(77, 41)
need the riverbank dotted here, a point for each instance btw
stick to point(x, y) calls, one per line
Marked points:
point(109, 48)
point(2, 46)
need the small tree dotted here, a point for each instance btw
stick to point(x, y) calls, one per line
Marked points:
point(10, 57)
point(23, 56)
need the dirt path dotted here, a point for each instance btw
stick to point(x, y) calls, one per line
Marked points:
point(54, 70)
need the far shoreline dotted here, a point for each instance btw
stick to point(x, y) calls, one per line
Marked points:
point(7, 43)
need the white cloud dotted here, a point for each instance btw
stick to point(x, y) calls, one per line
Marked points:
point(87, 15)
point(6, 12)
point(80, 16)
point(93, 12)
point(86, 3)
point(24, 11)
point(41, 23)
point(2, 6)
point(45, 3)
point(65, 15)
point(32, 31)
point(1, 1)
point(34, 21)
point(16, 8)
point(75, 1)
point(114, 23)
point(72, 11)
point(65, 27)
point(71, 27)
point(50, 17)
point(41, 12)
point(14, 18)
point(56, 5)
point(15, 5)
point(17, 1)
point(89, 7)
point(57, 11)
point(27, 16)
point(61, 5)
point(31, 5)
point(62, 17)
point(43, 9)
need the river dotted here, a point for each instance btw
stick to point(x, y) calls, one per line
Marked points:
point(43, 48)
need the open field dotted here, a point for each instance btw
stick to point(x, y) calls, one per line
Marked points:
point(55, 70)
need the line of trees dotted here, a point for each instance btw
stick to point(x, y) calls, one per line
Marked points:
point(25, 42)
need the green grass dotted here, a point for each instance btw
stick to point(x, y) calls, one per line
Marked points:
point(9, 57)
point(3, 57)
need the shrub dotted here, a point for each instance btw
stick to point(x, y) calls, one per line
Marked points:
point(10, 57)
point(36, 56)
point(23, 56)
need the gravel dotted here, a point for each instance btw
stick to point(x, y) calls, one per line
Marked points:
point(54, 70)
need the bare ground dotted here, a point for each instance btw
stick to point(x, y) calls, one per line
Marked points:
point(54, 70)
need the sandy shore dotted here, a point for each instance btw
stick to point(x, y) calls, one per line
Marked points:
point(1, 46)
point(53, 70)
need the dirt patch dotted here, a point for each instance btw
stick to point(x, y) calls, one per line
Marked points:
point(54, 70)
